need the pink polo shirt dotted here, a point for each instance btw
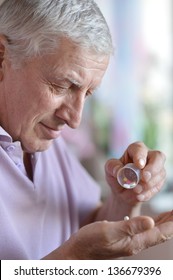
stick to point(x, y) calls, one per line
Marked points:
point(37, 217)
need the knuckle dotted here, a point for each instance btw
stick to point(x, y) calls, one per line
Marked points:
point(160, 154)
point(139, 144)
point(109, 164)
point(163, 156)
point(155, 190)
point(136, 245)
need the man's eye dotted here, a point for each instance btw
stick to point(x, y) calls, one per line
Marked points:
point(89, 93)
point(57, 89)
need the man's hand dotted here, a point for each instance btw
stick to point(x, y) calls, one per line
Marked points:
point(111, 240)
point(153, 174)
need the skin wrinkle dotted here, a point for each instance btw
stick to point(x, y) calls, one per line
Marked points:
point(132, 242)
point(162, 237)
point(52, 108)
point(78, 79)
point(163, 217)
point(159, 221)
point(134, 250)
point(125, 240)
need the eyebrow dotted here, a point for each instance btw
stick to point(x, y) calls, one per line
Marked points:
point(68, 79)
point(94, 89)
point(78, 84)
point(74, 81)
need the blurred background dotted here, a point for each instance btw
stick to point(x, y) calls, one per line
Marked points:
point(135, 100)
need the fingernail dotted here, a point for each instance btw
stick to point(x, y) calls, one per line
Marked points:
point(141, 197)
point(142, 162)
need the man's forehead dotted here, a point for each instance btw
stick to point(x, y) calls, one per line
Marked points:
point(69, 51)
point(79, 68)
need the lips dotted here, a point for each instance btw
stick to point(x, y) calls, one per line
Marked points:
point(49, 132)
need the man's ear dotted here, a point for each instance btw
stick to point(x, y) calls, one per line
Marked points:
point(2, 54)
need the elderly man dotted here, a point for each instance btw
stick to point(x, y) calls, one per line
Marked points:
point(53, 55)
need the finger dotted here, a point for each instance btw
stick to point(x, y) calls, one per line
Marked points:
point(152, 187)
point(112, 166)
point(139, 224)
point(154, 180)
point(163, 217)
point(137, 153)
point(151, 237)
point(154, 236)
point(155, 164)
point(162, 232)
point(138, 189)
point(148, 194)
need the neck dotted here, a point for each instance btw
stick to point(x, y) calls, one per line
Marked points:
point(28, 165)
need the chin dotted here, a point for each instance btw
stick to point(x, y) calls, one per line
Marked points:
point(38, 146)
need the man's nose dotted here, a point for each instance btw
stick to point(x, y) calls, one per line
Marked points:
point(73, 111)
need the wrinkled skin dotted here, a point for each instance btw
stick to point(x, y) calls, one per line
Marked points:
point(113, 237)
point(153, 174)
point(123, 201)
point(46, 93)
point(111, 240)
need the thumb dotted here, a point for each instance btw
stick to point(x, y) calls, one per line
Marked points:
point(139, 224)
point(112, 166)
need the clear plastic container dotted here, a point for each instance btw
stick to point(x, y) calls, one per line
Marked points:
point(128, 176)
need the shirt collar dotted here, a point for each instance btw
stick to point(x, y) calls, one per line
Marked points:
point(4, 136)
point(6, 140)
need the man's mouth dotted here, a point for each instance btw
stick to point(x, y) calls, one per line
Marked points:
point(49, 132)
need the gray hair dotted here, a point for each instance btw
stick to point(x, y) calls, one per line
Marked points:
point(32, 27)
